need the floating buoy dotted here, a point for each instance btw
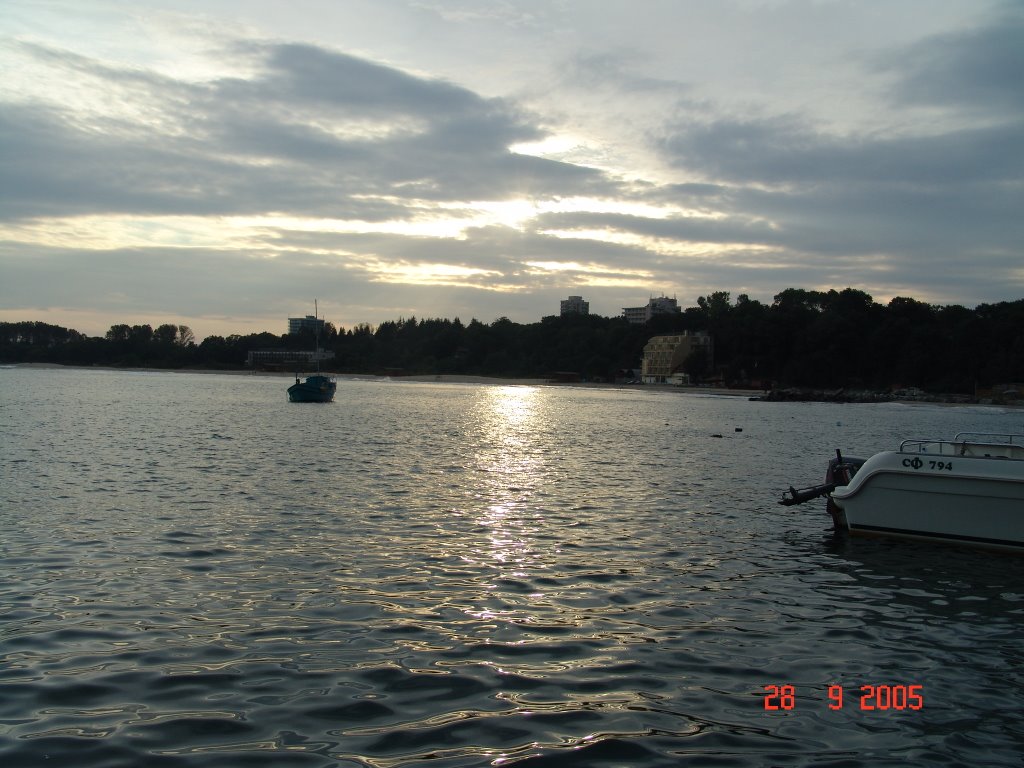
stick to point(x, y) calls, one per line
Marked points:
point(739, 429)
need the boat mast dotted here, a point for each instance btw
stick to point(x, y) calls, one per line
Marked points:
point(316, 330)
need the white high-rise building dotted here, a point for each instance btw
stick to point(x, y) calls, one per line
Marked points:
point(299, 324)
point(575, 304)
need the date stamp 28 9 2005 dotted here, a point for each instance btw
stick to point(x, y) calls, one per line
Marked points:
point(871, 697)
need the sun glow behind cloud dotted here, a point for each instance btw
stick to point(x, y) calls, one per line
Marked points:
point(270, 236)
point(540, 267)
point(593, 275)
point(450, 220)
point(107, 232)
point(434, 274)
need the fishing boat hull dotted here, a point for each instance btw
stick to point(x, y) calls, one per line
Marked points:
point(975, 500)
point(315, 389)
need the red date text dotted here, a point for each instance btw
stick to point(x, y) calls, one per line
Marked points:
point(872, 697)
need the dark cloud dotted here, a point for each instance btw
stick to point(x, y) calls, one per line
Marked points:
point(313, 86)
point(780, 151)
point(317, 77)
point(55, 167)
point(282, 141)
point(695, 192)
point(981, 68)
point(692, 229)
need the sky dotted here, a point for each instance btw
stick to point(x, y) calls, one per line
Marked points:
point(224, 164)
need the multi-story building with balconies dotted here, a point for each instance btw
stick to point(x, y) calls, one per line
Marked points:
point(662, 305)
point(664, 356)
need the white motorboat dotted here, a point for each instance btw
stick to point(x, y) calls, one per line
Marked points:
point(967, 490)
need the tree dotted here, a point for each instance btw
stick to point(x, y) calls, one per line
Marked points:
point(716, 306)
point(696, 364)
point(165, 334)
point(141, 333)
point(119, 333)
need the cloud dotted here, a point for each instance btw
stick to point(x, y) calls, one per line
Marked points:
point(980, 68)
point(932, 195)
point(313, 132)
point(781, 151)
point(584, 157)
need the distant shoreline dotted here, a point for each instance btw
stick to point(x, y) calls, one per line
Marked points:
point(784, 395)
point(440, 378)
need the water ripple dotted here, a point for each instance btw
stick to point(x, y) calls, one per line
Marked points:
point(197, 573)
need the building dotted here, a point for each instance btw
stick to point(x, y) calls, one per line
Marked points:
point(285, 359)
point(656, 306)
point(664, 356)
point(575, 305)
point(309, 322)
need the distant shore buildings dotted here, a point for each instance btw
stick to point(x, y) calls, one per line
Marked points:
point(662, 305)
point(657, 305)
point(280, 359)
point(285, 359)
point(574, 305)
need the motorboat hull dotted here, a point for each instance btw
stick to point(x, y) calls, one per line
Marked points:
point(975, 500)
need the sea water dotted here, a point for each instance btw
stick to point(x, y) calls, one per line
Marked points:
point(196, 572)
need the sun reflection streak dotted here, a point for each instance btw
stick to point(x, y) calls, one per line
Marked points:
point(511, 464)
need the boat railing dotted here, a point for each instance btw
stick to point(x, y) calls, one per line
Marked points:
point(1007, 438)
point(970, 444)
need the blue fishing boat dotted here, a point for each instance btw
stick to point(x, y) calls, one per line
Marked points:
point(317, 388)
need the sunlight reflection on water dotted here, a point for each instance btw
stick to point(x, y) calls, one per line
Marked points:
point(507, 421)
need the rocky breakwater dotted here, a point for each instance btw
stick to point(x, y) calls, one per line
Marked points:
point(844, 395)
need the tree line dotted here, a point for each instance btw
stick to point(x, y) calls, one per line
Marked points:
point(804, 338)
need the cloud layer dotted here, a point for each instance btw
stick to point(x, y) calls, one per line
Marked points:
point(295, 168)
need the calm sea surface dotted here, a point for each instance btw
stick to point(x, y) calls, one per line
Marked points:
point(195, 572)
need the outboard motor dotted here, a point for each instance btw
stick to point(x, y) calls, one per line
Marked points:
point(841, 470)
point(839, 473)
